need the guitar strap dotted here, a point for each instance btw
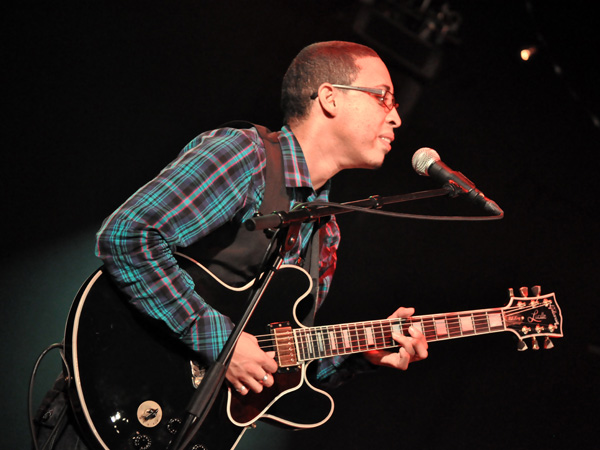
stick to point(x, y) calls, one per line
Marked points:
point(233, 253)
point(313, 260)
point(275, 176)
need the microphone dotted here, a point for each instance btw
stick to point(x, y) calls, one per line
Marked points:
point(427, 162)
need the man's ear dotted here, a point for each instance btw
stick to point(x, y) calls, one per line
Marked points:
point(326, 96)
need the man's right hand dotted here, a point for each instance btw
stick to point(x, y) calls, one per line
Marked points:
point(251, 368)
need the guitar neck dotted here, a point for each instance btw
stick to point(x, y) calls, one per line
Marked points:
point(332, 340)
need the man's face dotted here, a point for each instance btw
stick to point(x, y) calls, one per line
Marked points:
point(367, 126)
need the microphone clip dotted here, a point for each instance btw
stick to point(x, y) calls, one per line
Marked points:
point(455, 189)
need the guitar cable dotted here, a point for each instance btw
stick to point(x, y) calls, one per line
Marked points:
point(60, 422)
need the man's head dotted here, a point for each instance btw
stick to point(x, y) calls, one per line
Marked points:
point(324, 62)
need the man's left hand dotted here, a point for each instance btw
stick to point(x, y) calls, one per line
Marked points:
point(412, 348)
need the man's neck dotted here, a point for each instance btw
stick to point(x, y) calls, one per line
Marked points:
point(318, 152)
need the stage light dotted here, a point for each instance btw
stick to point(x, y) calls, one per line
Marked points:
point(528, 52)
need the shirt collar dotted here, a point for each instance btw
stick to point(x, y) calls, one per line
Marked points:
point(294, 165)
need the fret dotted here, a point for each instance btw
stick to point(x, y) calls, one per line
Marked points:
point(332, 340)
point(466, 324)
point(321, 342)
point(319, 346)
point(428, 329)
point(369, 336)
point(300, 345)
point(304, 345)
point(361, 332)
point(453, 326)
point(310, 344)
point(323, 332)
point(340, 339)
point(380, 335)
point(354, 338)
point(416, 323)
point(441, 328)
point(495, 319)
point(393, 325)
point(359, 339)
point(481, 322)
point(346, 337)
point(396, 327)
point(326, 342)
point(316, 339)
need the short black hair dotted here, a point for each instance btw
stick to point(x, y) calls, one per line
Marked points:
point(323, 62)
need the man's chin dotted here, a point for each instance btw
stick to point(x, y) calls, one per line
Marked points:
point(375, 165)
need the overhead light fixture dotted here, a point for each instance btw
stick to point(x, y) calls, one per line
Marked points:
point(410, 32)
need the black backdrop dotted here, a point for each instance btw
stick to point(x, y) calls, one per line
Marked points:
point(99, 97)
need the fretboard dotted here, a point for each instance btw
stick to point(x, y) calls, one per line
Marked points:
point(332, 340)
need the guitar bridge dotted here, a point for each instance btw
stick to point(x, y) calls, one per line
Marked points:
point(284, 345)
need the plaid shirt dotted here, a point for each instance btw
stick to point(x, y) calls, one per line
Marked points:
point(219, 176)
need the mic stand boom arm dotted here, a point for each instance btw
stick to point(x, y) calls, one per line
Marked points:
point(279, 219)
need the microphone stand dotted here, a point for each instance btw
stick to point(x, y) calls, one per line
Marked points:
point(206, 394)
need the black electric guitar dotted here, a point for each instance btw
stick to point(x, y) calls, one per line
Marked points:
point(131, 381)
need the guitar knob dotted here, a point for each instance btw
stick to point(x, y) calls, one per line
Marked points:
point(173, 426)
point(141, 442)
point(548, 344)
point(521, 346)
point(535, 290)
point(535, 344)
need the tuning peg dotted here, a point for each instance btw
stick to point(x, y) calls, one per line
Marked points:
point(536, 290)
point(548, 344)
point(534, 343)
point(521, 346)
point(524, 291)
point(511, 292)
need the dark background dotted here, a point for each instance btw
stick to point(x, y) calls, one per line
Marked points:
point(98, 97)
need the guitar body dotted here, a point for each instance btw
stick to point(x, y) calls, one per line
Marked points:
point(131, 381)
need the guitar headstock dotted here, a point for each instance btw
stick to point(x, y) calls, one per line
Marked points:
point(532, 317)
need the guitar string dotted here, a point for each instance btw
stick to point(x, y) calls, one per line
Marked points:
point(319, 337)
point(452, 321)
point(428, 324)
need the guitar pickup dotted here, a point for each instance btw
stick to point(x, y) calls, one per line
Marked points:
point(284, 344)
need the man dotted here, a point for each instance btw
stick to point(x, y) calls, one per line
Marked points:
point(340, 113)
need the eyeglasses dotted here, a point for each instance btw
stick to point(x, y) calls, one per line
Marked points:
point(385, 97)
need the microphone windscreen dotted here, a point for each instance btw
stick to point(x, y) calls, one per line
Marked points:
point(423, 159)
